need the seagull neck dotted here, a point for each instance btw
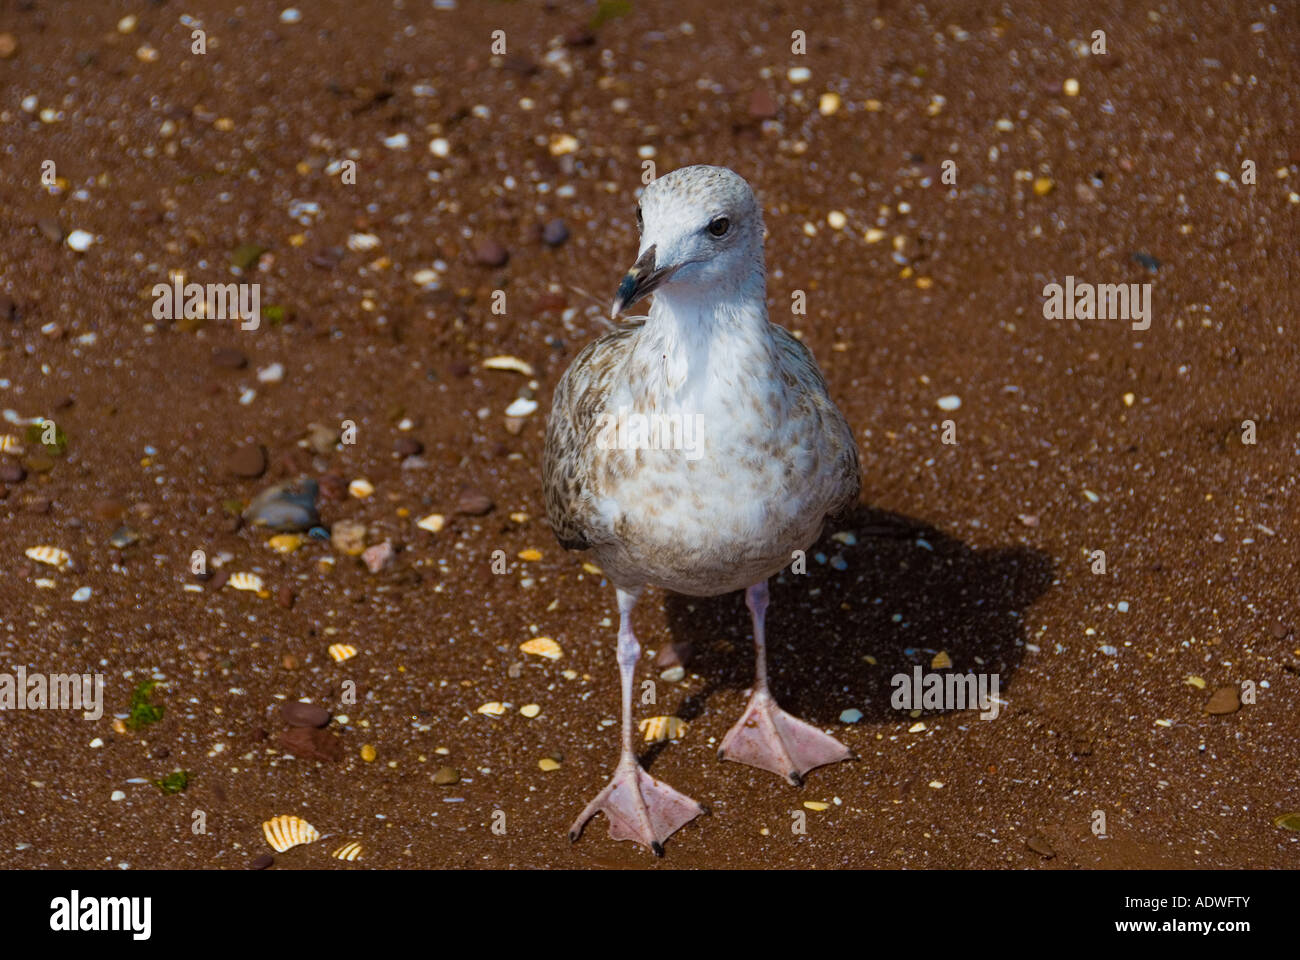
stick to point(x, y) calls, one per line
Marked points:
point(693, 338)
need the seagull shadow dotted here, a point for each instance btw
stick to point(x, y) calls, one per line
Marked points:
point(906, 593)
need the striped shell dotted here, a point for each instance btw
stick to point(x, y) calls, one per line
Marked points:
point(657, 729)
point(11, 445)
point(542, 647)
point(349, 851)
point(245, 581)
point(286, 831)
point(51, 555)
point(342, 651)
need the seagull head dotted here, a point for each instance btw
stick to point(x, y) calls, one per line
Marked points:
point(701, 238)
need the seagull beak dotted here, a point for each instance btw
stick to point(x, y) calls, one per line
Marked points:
point(641, 280)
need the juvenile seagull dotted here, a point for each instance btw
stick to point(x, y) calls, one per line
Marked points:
point(774, 457)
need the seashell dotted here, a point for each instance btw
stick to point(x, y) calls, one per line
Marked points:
point(433, 522)
point(509, 363)
point(51, 555)
point(542, 647)
point(492, 709)
point(530, 555)
point(285, 542)
point(361, 488)
point(360, 242)
point(342, 651)
point(522, 407)
point(658, 729)
point(349, 851)
point(11, 445)
point(548, 764)
point(287, 831)
point(245, 581)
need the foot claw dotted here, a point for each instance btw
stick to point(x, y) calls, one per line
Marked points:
point(639, 808)
point(769, 738)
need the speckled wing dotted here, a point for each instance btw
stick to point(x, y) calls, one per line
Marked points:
point(800, 371)
point(568, 465)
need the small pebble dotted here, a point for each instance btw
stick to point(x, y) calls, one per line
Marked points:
point(80, 240)
point(1223, 701)
point(851, 715)
point(555, 233)
point(950, 402)
point(446, 776)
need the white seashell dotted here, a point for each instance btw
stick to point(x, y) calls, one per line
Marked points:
point(286, 831)
point(521, 408)
point(245, 581)
point(508, 363)
point(11, 445)
point(362, 241)
point(51, 555)
point(433, 522)
point(492, 709)
point(342, 651)
point(361, 488)
point(349, 851)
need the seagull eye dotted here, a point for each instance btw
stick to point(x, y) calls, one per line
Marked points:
point(639, 223)
point(719, 226)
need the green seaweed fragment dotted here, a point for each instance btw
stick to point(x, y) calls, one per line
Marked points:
point(142, 712)
point(173, 782)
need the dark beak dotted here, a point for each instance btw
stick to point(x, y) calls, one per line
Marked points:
point(641, 280)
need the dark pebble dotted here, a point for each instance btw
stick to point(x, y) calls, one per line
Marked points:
point(285, 597)
point(458, 368)
point(333, 487)
point(1040, 847)
point(311, 743)
point(1148, 261)
point(50, 229)
point(230, 358)
point(38, 505)
point(248, 461)
point(675, 654)
point(761, 105)
point(446, 776)
point(38, 463)
point(1279, 630)
point(408, 447)
point(1223, 701)
point(290, 505)
point(8, 309)
point(555, 233)
point(11, 472)
point(219, 579)
point(262, 862)
point(489, 253)
point(304, 715)
point(473, 503)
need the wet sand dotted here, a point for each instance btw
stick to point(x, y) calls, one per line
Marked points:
point(1072, 436)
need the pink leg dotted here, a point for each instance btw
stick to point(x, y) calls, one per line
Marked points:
point(766, 736)
point(638, 806)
